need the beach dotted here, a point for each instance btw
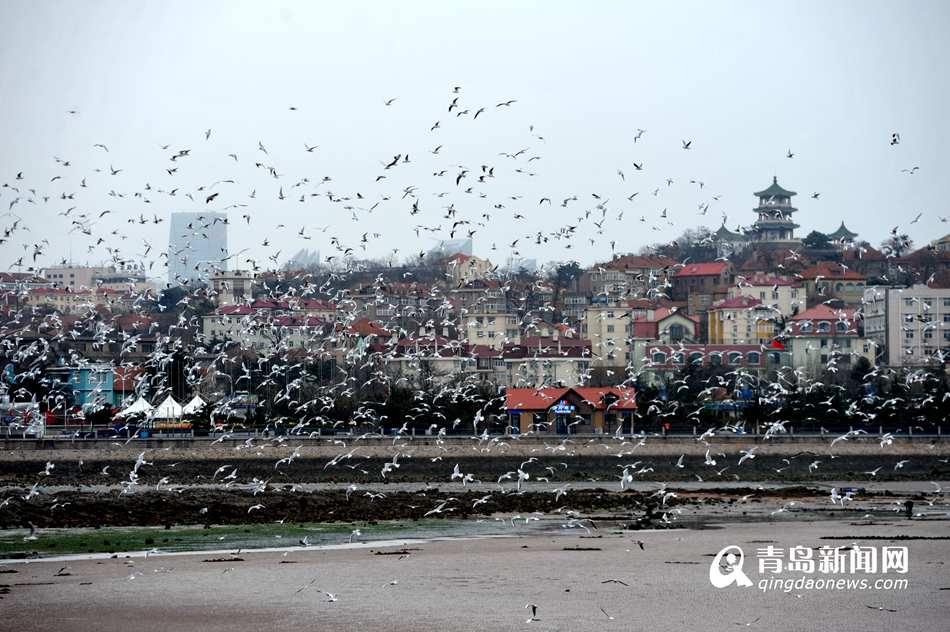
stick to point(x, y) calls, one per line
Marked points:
point(484, 584)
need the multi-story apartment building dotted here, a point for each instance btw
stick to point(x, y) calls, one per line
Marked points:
point(492, 328)
point(232, 287)
point(830, 279)
point(606, 325)
point(823, 338)
point(911, 325)
point(741, 320)
point(76, 277)
point(786, 296)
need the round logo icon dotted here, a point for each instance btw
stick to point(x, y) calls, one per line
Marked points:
point(726, 568)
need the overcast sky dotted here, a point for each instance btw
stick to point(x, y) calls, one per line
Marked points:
point(744, 81)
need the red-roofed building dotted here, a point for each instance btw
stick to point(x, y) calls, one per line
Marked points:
point(830, 279)
point(741, 320)
point(626, 275)
point(785, 295)
point(702, 284)
point(571, 410)
point(824, 338)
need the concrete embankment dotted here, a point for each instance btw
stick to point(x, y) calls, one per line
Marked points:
point(349, 459)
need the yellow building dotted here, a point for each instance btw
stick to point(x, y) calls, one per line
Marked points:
point(607, 326)
point(788, 297)
point(742, 320)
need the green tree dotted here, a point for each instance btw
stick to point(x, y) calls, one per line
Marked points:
point(816, 241)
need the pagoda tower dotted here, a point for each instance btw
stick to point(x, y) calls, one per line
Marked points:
point(774, 227)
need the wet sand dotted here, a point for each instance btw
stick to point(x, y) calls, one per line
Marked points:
point(482, 585)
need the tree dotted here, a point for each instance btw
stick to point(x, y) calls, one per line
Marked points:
point(816, 241)
point(897, 245)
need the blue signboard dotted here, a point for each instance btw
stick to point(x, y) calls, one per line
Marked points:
point(563, 408)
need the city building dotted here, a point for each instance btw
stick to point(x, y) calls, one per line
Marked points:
point(91, 385)
point(823, 338)
point(741, 320)
point(787, 297)
point(662, 363)
point(607, 325)
point(462, 268)
point(911, 325)
point(830, 279)
point(493, 329)
point(197, 246)
point(702, 284)
point(629, 275)
point(449, 247)
point(75, 277)
point(232, 287)
point(538, 362)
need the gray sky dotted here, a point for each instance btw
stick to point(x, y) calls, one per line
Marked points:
point(744, 81)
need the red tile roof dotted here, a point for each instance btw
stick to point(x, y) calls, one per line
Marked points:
point(537, 399)
point(737, 302)
point(703, 269)
point(832, 270)
point(638, 262)
point(824, 312)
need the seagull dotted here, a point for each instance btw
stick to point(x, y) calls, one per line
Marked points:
point(534, 612)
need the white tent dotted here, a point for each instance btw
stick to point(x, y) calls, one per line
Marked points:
point(168, 409)
point(194, 406)
point(140, 405)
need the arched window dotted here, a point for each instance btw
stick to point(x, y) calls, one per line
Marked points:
point(696, 357)
point(659, 357)
point(839, 287)
point(677, 333)
point(735, 357)
point(824, 326)
point(715, 359)
point(775, 357)
point(679, 357)
point(806, 326)
point(841, 326)
point(754, 357)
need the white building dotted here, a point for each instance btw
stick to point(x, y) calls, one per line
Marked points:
point(197, 246)
point(911, 325)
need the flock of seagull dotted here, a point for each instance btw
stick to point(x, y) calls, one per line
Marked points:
point(459, 199)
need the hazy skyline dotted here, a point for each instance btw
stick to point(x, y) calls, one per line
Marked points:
point(745, 82)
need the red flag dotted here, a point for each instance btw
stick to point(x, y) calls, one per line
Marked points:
point(778, 345)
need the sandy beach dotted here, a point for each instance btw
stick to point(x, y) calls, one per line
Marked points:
point(483, 584)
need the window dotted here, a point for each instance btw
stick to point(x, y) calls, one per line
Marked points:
point(696, 357)
point(841, 326)
point(754, 357)
point(679, 357)
point(735, 357)
point(610, 329)
point(806, 326)
point(715, 359)
point(824, 326)
point(658, 357)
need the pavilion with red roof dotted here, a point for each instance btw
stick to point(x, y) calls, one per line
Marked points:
point(575, 410)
